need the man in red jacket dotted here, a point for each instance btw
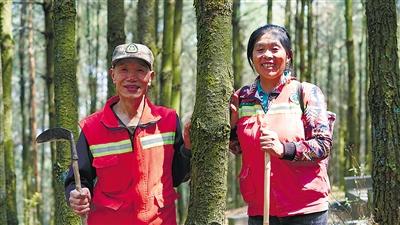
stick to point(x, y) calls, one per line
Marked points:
point(131, 152)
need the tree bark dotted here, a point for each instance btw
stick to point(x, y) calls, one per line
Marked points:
point(309, 70)
point(384, 103)
point(210, 120)
point(288, 16)
point(147, 35)
point(176, 63)
point(352, 143)
point(3, 188)
point(237, 56)
point(115, 34)
point(269, 11)
point(66, 100)
point(300, 42)
point(7, 54)
point(167, 57)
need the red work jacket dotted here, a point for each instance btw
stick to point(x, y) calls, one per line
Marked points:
point(298, 186)
point(134, 181)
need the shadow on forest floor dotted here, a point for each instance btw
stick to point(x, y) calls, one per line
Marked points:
point(341, 212)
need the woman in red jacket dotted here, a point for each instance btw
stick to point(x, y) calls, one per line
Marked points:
point(299, 143)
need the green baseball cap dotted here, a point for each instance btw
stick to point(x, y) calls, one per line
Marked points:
point(133, 50)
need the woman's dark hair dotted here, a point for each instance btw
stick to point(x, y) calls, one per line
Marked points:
point(279, 32)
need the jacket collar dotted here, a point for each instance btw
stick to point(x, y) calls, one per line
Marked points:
point(109, 119)
point(250, 91)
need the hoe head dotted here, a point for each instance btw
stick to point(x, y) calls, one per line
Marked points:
point(54, 134)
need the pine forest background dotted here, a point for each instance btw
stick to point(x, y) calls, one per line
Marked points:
point(55, 59)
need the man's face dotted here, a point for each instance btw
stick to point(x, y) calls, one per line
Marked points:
point(131, 78)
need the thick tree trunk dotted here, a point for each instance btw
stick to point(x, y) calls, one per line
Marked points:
point(7, 54)
point(210, 121)
point(167, 57)
point(66, 97)
point(384, 102)
point(115, 34)
point(352, 143)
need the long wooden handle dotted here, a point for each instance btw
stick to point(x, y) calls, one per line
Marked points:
point(267, 174)
point(78, 185)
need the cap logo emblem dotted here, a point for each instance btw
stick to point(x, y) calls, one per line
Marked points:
point(132, 48)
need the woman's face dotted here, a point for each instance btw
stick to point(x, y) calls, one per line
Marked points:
point(269, 57)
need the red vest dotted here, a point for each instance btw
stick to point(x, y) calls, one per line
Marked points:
point(134, 173)
point(296, 187)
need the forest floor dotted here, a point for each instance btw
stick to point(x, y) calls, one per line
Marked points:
point(339, 212)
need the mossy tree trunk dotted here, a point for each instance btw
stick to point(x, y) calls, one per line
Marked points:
point(3, 189)
point(7, 54)
point(384, 102)
point(167, 56)
point(237, 56)
point(176, 55)
point(176, 91)
point(66, 100)
point(115, 34)
point(49, 81)
point(288, 16)
point(269, 11)
point(49, 35)
point(147, 35)
point(352, 140)
point(210, 120)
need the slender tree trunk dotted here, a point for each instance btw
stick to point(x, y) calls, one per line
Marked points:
point(384, 102)
point(288, 16)
point(147, 35)
point(352, 143)
point(3, 188)
point(367, 122)
point(156, 16)
point(92, 75)
point(96, 59)
point(297, 37)
point(210, 121)
point(22, 82)
point(22, 98)
point(176, 63)
point(237, 51)
point(301, 43)
point(7, 54)
point(310, 35)
point(176, 88)
point(269, 12)
point(49, 82)
point(66, 97)
point(115, 34)
point(167, 57)
point(316, 67)
point(34, 186)
point(342, 118)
